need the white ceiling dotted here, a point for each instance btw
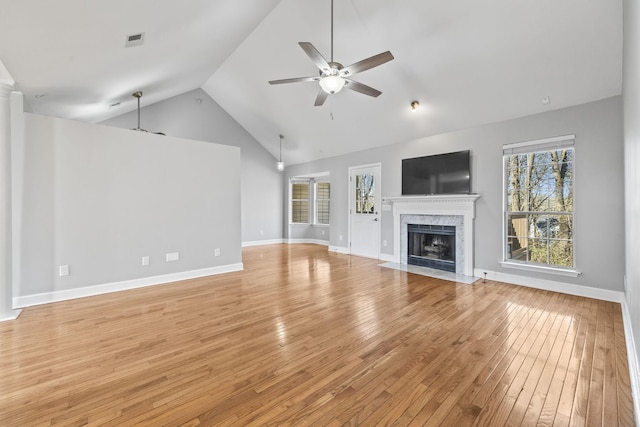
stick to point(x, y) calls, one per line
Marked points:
point(467, 62)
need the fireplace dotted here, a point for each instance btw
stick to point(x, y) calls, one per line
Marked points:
point(432, 246)
point(457, 211)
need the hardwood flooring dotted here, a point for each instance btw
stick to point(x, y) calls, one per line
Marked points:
point(307, 337)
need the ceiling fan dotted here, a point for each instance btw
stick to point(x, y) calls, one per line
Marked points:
point(333, 75)
point(138, 95)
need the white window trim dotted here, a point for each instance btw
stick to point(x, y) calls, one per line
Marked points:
point(541, 268)
point(537, 145)
point(299, 181)
point(315, 202)
point(313, 212)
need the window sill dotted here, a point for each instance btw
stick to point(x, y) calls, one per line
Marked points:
point(542, 269)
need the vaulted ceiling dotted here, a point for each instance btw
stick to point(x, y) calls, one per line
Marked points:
point(467, 62)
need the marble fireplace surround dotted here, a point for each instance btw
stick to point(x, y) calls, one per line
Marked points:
point(457, 210)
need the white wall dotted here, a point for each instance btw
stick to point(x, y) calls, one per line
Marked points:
point(194, 115)
point(598, 197)
point(631, 95)
point(99, 198)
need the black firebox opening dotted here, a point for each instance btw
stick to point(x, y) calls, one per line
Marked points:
point(432, 246)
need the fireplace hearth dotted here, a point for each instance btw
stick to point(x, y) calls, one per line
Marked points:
point(432, 246)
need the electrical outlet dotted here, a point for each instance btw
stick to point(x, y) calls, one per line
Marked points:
point(63, 270)
point(262, 232)
point(340, 237)
point(384, 243)
point(173, 256)
point(217, 252)
point(323, 232)
point(145, 260)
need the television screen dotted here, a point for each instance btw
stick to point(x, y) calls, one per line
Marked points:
point(448, 173)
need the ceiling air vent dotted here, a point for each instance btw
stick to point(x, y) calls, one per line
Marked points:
point(134, 40)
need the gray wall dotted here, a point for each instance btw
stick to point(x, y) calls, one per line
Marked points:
point(599, 200)
point(98, 199)
point(194, 115)
point(310, 232)
point(631, 93)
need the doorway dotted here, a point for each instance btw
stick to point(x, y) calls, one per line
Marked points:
point(364, 208)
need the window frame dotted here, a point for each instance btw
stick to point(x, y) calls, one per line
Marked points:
point(315, 203)
point(292, 200)
point(528, 147)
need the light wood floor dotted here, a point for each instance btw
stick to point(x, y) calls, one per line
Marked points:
point(307, 337)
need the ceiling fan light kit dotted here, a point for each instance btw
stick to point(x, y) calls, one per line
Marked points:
point(333, 76)
point(332, 84)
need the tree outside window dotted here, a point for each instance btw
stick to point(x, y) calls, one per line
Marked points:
point(539, 207)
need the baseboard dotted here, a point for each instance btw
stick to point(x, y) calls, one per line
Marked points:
point(633, 361)
point(387, 258)
point(550, 285)
point(262, 242)
point(339, 249)
point(11, 315)
point(49, 297)
point(312, 241)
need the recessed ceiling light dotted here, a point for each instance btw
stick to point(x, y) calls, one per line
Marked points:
point(114, 105)
point(546, 100)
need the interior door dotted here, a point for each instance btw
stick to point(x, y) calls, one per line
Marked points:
point(364, 205)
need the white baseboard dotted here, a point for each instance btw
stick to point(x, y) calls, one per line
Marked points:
point(313, 241)
point(262, 242)
point(387, 258)
point(339, 249)
point(11, 315)
point(633, 362)
point(550, 285)
point(48, 297)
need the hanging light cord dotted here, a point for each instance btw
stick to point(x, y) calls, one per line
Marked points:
point(281, 147)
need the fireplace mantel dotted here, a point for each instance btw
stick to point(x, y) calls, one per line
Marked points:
point(451, 205)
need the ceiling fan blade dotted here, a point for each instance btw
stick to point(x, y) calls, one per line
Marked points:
point(315, 56)
point(294, 80)
point(362, 88)
point(365, 64)
point(322, 96)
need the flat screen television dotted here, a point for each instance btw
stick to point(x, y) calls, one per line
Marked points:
point(448, 173)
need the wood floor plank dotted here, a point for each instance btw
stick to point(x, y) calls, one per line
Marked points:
point(307, 337)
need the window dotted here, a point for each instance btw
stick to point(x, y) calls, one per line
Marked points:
point(300, 202)
point(323, 192)
point(365, 194)
point(539, 178)
point(310, 201)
